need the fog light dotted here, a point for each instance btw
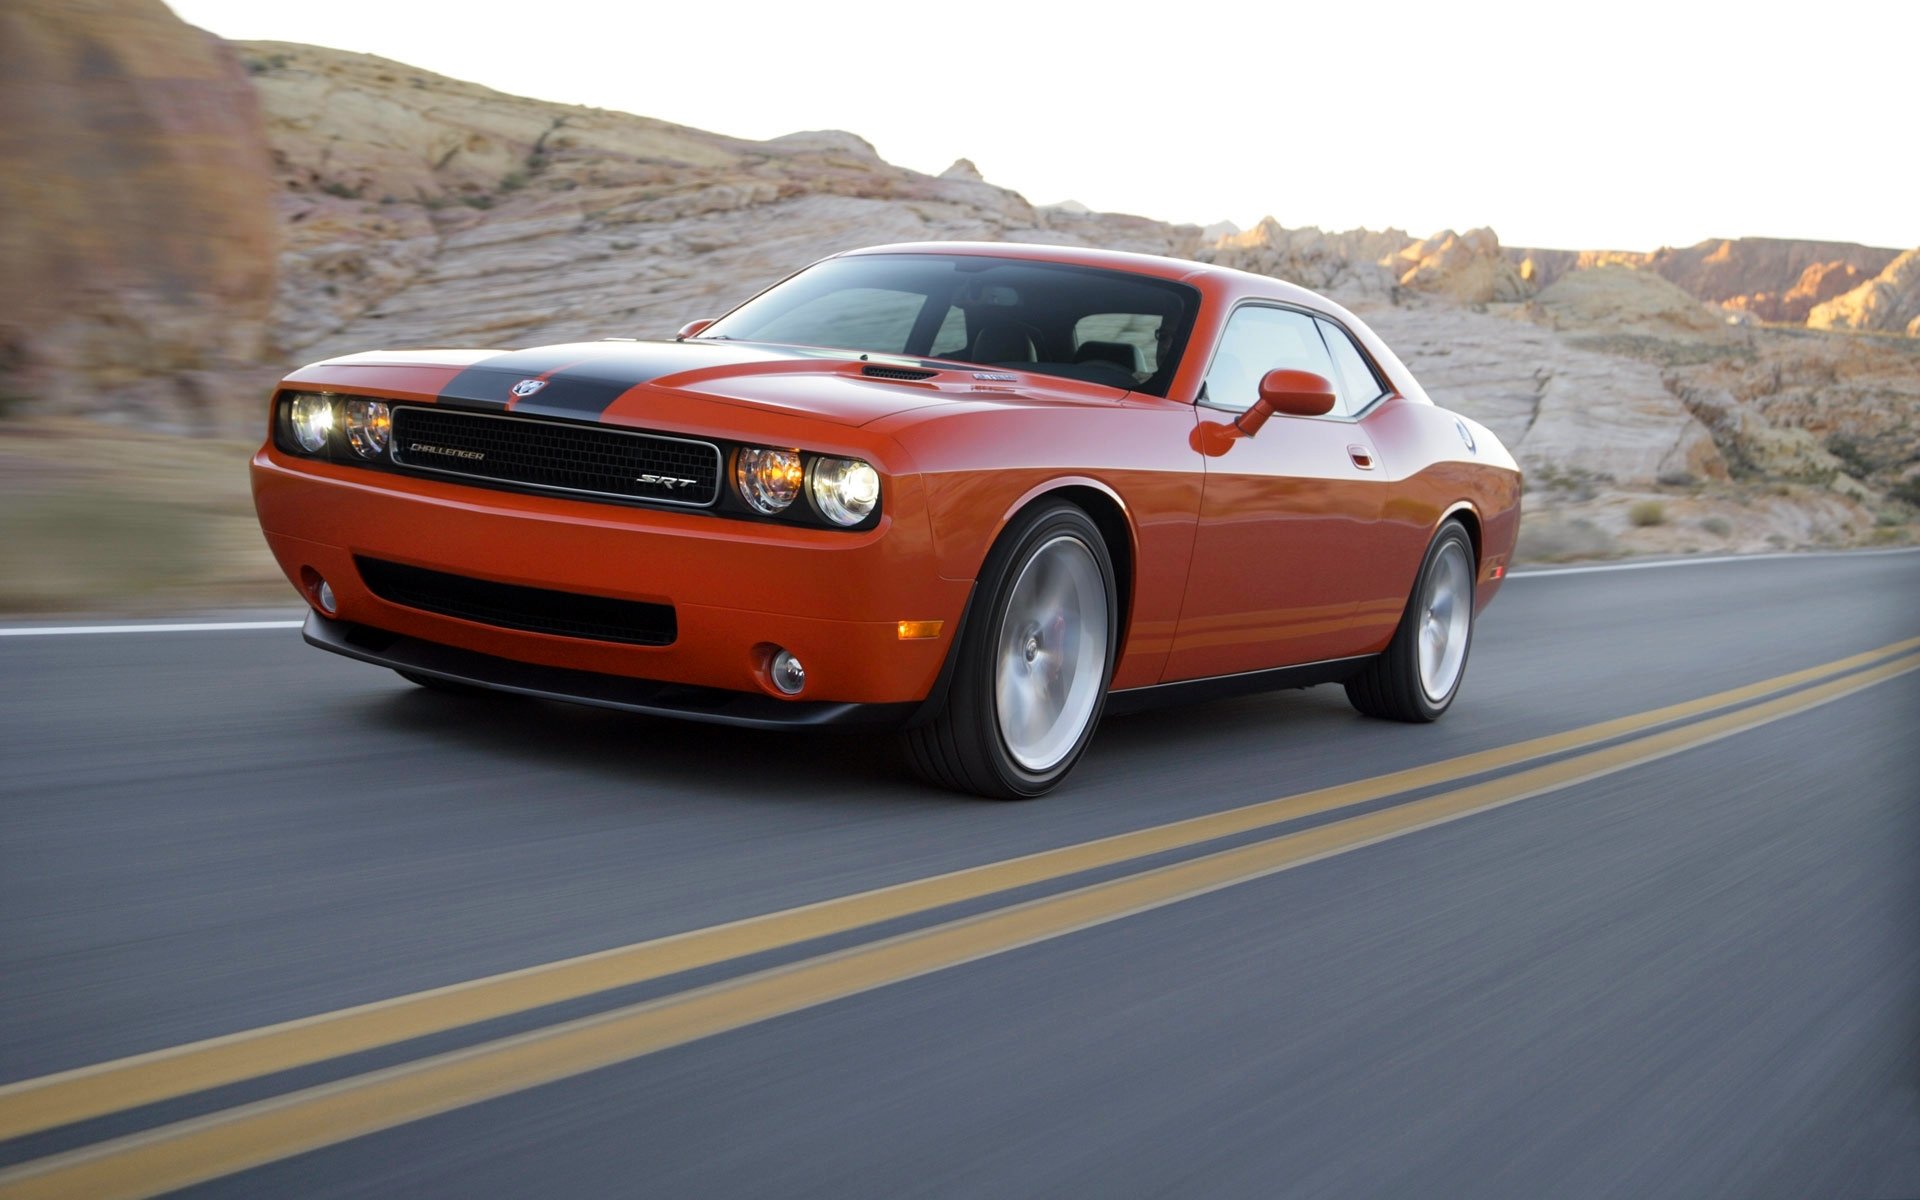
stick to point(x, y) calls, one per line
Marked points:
point(324, 594)
point(788, 675)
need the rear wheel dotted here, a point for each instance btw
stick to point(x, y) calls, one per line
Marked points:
point(1031, 671)
point(1419, 674)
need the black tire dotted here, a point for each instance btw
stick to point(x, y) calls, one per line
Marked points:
point(962, 747)
point(435, 684)
point(1392, 685)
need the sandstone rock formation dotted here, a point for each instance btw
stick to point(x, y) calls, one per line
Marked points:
point(1570, 414)
point(138, 243)
point(414, 210)
point(1820, 282)
point(1621, 300)
point(423, 210)
point(1468, 268)
point(1346, 264)
point(1720, 270)
point(1887, 303)
point(1776, 279)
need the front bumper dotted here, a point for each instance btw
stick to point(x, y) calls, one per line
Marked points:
point(653, 698)
point(738, 588)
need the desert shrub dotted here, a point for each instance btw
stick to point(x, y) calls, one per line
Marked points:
point(1552, 538)
point(333, 187)
point(1647, 513)
point(1677, 479)
point(1852, 459)
point(514, 181)
point(480, 201)
point(1718, 526)
point(1907, 490)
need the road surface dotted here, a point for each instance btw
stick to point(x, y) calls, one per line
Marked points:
point(1640, 917)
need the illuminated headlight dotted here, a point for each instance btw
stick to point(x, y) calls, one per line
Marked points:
point(845, 489)
point(369, 427)
point(311, 416)
point(769, 480)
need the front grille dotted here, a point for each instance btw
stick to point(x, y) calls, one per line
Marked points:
point(557, 455)
point(896, 373)
point(511, 606)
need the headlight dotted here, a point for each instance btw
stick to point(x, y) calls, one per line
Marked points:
point(311, 416)
point(769, 480)
point(845, 489)
point(369, 427)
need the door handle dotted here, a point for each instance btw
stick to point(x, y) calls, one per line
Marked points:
point(1361, 456)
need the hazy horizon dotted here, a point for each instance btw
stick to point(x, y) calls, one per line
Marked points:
point(1639, 129)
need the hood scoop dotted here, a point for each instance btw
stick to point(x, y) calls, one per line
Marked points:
point(905, 373)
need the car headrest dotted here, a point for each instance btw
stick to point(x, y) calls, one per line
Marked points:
point(1004, 344)
point(1121, 354)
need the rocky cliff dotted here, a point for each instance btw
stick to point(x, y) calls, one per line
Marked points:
point(420, 209)
point(139, 240)
point(1777, 280)
point(1887, 303)
point(194, 218)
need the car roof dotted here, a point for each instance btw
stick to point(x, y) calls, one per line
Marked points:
point(1234, 284)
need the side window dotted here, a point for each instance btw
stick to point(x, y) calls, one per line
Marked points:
point(1357, 384)
point(850, 319)
point(952, 336)
point(1258, 340)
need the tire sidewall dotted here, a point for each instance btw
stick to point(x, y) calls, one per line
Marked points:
point(977, 665)
point(1451, 531)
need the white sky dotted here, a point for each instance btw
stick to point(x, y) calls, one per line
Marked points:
point(1624, 125)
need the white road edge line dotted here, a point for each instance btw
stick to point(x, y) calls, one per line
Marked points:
point(184, 627)
point(1549, 572)
point(239, 626)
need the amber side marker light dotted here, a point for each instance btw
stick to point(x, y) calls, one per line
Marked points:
point(915, 630)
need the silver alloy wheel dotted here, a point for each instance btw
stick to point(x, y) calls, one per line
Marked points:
point(1446, 616)
point(1050, 655)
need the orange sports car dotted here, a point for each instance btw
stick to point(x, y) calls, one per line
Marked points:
point(975, 494)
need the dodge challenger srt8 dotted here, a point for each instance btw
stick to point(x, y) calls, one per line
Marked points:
point(975, 494)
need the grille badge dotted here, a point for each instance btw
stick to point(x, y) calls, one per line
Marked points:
point(447, 451)
point(527, 387)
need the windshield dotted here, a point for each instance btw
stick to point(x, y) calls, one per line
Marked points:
point(1108, 327)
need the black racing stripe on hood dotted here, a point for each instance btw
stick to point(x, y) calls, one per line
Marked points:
point(569, 395)
point(490, 380)
point(583, 380)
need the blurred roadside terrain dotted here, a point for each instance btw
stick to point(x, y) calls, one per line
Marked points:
point(187, 218)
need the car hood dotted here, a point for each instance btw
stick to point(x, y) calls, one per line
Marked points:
point(609, 380)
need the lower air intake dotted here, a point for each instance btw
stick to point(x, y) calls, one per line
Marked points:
point(511, 606)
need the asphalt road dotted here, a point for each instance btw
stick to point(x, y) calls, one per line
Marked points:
point(1693, 976)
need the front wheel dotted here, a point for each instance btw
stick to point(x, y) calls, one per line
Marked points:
point(1418, 675)
point(1033, 663)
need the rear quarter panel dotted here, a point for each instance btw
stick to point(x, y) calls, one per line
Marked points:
point(1433, 475)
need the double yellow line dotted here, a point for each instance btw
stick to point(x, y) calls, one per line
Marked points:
point(249, 1135)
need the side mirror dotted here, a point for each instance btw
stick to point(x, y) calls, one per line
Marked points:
point(692, 329)
point(1295, 393)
